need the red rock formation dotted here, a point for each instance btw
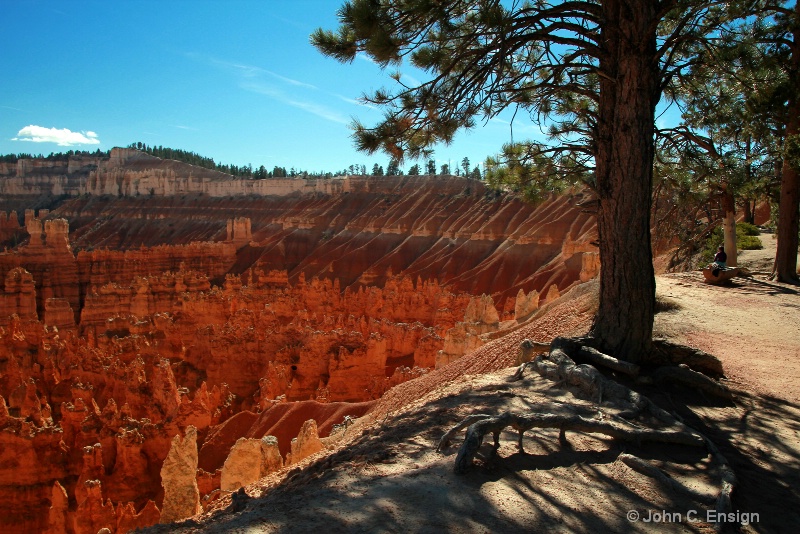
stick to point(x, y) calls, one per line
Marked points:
point(249, 460)
point(178, 477)
point(93, 513)
point(19, 296)
point(50, 261)
point(10, 230)
point(304, 301)
point(480, 317)
point(306, 443)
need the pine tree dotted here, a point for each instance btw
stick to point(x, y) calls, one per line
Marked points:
point(393, 169)
point(570, 63)
point(430, 167)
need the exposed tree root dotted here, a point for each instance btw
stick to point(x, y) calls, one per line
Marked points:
point(668, 353)
point(559, 367)
point(675, 371)
point(568, 422)
point(682, 365)
point(444, 442)
point(685, 376)
point(598, 358)
point(581, 349)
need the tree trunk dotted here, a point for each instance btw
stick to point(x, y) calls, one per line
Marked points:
point(729, 225)
point(785, 269)
point(629, 91)
point(749, 215)
point(749, 211)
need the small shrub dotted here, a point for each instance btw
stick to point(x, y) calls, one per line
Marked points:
point(748, 229)
point(748, 242)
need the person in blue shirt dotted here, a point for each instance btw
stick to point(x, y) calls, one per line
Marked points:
point(720, 258)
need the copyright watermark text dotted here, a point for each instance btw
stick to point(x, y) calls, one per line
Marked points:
point(692, 516)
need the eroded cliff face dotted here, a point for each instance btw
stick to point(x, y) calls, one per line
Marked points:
point(359, 229)
point(216, 319)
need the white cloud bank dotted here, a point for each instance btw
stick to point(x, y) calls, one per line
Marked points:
point(61, 137)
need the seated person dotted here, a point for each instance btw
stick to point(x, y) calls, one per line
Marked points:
point(720, 258)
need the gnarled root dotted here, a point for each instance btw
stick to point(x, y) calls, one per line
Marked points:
point(564, 351)
point(558, 366)
point(685, 376)
point(566, 422)
point(668, 353)
point(581, 349)
point(444, 442)
point(681, 364)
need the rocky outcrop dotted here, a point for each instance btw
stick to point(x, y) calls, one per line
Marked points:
point(480, 318)
point(19, 296)
point(93, 512)
point(306, 443)
point(179, 479)
point(239, 231)
point(128, 172)
point(10, 229)
point(59, 507)
point(590, 266)
point(525, 304)
point(249, 460)
point(49, 260)
point(59, 314)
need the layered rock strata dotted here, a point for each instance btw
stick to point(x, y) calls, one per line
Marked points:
point(273, 315)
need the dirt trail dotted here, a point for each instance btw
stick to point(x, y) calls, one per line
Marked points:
point(386, 475)
point(752, 324)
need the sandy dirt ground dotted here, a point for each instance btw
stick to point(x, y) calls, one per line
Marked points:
point(385, 475)
point(752, 324)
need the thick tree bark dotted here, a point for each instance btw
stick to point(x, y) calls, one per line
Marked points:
point(785, 268)
point(629, 92)
point(749, 207)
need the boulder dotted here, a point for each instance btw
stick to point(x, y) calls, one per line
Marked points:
point(179, 479)
point(249, 460)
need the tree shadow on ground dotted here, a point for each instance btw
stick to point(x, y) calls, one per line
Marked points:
point(766, 287)
point(390, 479)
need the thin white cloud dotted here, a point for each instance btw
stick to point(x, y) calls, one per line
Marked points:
point(353, 101)
point(519, 125)
point(311, 107)
point(290, 80)
point(253, 71)
point(59, 136)
point(181, 127)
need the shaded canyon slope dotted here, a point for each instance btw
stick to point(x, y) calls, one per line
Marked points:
point(155, 315)
point(358, 229)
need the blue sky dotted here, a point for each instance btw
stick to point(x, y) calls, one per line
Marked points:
point(234, 80)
